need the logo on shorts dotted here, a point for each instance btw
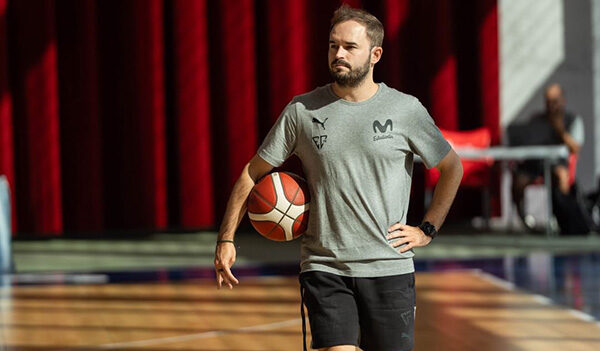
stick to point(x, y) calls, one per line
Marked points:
point(382, 129)
point(319, 141)
point(406, 316)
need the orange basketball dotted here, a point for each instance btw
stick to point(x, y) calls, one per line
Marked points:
point(278, 206)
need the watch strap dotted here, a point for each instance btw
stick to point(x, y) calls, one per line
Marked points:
point(428, 229)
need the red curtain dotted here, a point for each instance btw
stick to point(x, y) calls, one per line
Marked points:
point(34, 79)
point(191, 88)
point(131, 72)
point(80, 111)
point(287, 48)
point(140, 115)
point(6, 124)
point(233, 89)
point(487, 16)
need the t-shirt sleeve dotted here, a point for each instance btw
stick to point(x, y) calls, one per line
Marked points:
point(577, 131)
point(425, 138)
point(280, 142)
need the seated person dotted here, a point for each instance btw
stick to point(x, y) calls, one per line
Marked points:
point(554, 126)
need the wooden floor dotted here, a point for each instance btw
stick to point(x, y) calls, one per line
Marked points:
point(455, 311)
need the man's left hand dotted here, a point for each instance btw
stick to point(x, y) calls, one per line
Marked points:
point(411, 236)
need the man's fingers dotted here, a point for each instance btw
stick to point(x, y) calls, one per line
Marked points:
point(220, 274)
point(394, 227)
point(397, 226)
point(400, 242)
point(223, 279)
point(219, 280)
point(406, 248)
point(396, 234)
point(230, 277)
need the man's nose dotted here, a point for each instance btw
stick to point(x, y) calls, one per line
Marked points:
point(340, 53)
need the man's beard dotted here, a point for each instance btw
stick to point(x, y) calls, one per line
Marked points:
point(351, 79)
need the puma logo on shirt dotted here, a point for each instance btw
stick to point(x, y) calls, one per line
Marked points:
point(319, 122)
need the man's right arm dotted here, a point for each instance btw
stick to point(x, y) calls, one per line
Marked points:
point(571, 138)
point(236, 208)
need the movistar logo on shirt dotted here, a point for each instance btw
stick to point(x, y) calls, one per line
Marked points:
point(382, 128)
point(377, 127)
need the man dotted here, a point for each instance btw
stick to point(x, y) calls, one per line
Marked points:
point(554, 126)
point(356, 140)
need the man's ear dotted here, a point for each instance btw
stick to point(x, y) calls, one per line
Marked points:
point(376, 53)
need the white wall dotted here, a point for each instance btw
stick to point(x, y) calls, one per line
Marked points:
point(531, 48)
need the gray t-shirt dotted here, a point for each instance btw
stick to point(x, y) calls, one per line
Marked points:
point(358, 161)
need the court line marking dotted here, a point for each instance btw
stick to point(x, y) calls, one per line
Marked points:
point(57, 278)
point(544, 300)
point(188, 337)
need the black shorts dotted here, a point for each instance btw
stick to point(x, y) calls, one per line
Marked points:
point(377, 314)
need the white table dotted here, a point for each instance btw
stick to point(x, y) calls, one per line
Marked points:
point(546, 153)
point(515, 153)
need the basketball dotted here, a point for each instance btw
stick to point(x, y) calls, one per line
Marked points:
point(278, 206)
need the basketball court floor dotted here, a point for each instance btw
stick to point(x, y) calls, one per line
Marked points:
point(489, 292)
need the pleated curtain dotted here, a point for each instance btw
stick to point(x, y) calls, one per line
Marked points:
point(139, 115)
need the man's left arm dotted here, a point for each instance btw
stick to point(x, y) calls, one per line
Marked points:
point(451, 173)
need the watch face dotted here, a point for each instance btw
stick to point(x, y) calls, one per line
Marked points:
point(428, 229)
point(433, 232)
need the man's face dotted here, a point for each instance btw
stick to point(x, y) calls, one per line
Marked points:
point(555, 101)
point(349, 53)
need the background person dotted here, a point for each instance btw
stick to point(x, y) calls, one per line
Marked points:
point(554, 126)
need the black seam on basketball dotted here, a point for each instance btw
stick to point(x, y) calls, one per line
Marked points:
point(275, 190)
point(268, 202)
point(264, 199)
point(281, 219)
point(294, 198)
point(291, 203)
point(282, 214)
point(277, 225)
point(295, 194)
point(274, 206)
point(296, 219)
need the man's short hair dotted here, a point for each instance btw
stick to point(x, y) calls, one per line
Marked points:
point(374, 27)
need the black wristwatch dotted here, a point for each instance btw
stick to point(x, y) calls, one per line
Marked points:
point(428, 229)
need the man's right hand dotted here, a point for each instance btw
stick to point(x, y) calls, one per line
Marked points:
point(235, 211)
point(557, 122)
point(224, 259)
